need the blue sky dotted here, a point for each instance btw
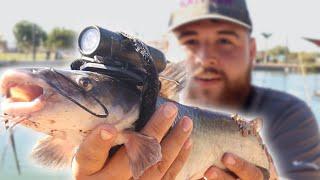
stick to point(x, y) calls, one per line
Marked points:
point(288, 20)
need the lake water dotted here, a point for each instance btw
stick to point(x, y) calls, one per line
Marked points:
point(303, 87)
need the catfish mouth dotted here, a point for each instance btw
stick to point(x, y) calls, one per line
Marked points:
point(23, 92)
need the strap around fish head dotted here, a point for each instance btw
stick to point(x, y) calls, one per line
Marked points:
point(56, 80)
point(151, 85)
point(117, 69)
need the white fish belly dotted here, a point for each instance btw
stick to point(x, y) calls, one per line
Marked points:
point(212, 140)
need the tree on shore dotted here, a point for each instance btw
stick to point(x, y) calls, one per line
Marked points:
point(60, 38)
point(279, 50)
point(29, 37)
point(293, 57)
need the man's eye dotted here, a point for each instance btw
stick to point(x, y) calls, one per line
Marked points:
point(191, 42)
point(224, 42)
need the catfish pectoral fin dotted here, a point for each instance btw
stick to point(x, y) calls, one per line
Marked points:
point(143, 152)
point(53, 152)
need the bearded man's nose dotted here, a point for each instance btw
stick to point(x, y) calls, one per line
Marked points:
point(206, 56)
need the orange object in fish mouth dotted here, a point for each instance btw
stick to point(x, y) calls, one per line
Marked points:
point(23, 93)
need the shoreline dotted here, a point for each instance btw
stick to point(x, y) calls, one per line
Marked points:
point(286, 68)
point(34, 63)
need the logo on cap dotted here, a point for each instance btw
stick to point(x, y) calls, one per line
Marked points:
point(184, 3)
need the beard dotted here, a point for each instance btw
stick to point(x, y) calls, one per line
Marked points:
point(232, 94)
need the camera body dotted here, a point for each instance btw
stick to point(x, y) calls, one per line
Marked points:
point(114, 54)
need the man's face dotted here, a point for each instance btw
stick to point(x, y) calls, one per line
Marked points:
point(219, 59)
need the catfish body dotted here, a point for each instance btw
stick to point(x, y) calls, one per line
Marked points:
point(67, 105)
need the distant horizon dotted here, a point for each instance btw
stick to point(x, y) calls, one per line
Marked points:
point(288, 20)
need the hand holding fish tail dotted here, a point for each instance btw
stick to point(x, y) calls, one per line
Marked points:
point(240, 169)
point(175, 150)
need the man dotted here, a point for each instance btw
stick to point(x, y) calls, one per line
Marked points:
point(215, 35)
point(216, 38)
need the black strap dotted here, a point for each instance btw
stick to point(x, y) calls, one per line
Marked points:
point(106, 113)
point(151, 85)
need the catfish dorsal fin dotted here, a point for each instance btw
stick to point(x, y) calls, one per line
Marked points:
point(143, 152)
point(173, 80)
point(53, 152)
point(257, 124)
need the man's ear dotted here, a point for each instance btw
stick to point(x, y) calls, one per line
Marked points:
point(253, 49)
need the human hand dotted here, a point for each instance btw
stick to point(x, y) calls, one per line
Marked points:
point(239, 167)
point(90, 159)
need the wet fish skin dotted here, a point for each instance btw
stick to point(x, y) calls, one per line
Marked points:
point(213, 133)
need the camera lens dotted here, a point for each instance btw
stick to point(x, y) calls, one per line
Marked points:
point(97, 41)
point(89, 40)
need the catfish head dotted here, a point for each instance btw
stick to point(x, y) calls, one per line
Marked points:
point(50, 100)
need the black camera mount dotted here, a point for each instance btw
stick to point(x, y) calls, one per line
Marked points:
point(126, 58)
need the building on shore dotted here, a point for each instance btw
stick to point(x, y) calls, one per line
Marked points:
point(3, 45)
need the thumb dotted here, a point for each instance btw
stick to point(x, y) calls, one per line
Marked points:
point(94, 151)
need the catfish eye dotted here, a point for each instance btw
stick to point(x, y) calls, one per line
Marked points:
point(85, 83)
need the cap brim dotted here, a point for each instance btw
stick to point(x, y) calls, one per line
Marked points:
point(211, 16)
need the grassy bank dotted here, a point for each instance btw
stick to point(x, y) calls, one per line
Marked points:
point(41, 56)
point(21, 56)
